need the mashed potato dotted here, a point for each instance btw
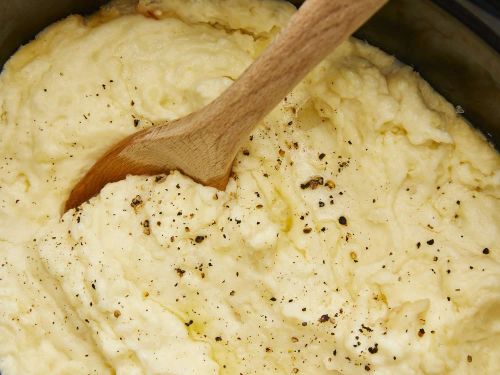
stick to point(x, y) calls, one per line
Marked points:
point(359, 232)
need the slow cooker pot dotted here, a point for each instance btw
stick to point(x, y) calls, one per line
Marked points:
point(456, 51)
point(447, 43)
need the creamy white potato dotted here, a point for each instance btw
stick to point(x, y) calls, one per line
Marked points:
point(359, 233)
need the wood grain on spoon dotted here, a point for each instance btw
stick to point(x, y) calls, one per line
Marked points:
point(204, 144)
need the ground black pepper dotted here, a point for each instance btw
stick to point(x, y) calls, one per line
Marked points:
point(180, 272)
point(324, 318)
point(313, 183)
point(136, 202)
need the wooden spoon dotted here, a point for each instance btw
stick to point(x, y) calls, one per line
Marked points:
point(204, 144)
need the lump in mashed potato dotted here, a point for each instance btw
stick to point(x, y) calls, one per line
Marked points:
point(359, 232)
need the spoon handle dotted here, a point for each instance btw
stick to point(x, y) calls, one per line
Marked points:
point(312, 33)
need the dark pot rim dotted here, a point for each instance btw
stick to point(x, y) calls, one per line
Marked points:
point(489, 33)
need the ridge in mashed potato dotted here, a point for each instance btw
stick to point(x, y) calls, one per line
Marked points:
point(359, 232)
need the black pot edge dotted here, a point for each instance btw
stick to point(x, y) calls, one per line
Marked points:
point(473, 22)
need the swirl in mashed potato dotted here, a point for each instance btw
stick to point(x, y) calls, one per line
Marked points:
point(359, 232)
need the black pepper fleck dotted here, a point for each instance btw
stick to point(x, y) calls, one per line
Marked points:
point(136, 202)
point(180, 272)
point(313, 183)
point(324, 318)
